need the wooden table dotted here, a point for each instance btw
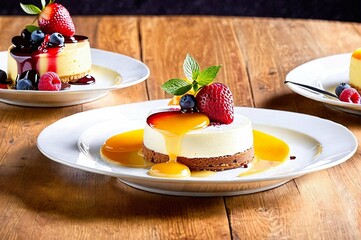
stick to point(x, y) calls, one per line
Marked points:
point(41, 199)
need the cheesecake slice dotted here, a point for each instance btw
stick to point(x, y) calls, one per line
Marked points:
point(355, 70)
point(215, 147)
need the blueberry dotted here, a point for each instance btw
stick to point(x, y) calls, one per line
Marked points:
point(3, 77)
point(37, 36)
point(340, 88)
point(187, 103)
point(24, 84)
point(56, 39)
point(31, 75)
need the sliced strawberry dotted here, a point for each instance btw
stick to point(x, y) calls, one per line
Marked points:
point(216, 101)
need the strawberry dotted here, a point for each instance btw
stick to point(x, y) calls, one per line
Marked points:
point(213, 99)
point(53, 17)
point(216, 101)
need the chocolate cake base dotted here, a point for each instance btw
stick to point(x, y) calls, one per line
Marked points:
point(213, 163)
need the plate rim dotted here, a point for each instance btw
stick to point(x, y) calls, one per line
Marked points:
point(342, 106)
point(290, 175)
point(70, 91)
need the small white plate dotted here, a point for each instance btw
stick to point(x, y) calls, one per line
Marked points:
point(324, 73)
point(111, 71)
point(75, 141)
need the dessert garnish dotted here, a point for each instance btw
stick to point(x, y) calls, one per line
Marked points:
point(51, 46)
point(53, 17)
point(29, 79)
point(49, 81)
point(4, 82)
point(181, 140)
point(199, 93)
point(347, 94)
point(343, 92)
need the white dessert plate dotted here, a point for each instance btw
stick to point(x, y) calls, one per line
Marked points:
point(324, 73)
point(75, 141)
point(111, 70)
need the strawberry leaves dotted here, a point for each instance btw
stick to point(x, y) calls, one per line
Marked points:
point(196, 78)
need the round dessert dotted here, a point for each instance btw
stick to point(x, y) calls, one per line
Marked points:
point(355, 70)
point(51, 46)
point(71, 61)
point(215, 147)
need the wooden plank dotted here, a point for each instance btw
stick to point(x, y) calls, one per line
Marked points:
point(119, 35)
point(210, 40)
point(306, 207)
point(165, 43)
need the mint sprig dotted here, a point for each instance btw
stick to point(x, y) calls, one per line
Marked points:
point(34, 10)
point(176, 86)
point(196, 78)
point(31, 28)
point(190, 68)
point(30, 9)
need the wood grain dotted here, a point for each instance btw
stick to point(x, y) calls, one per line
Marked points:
point(41, 199)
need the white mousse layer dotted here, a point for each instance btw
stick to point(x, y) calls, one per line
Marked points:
point(212, 141)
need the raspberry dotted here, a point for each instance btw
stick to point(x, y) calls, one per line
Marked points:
point(350, 95)
point(216, 101)
point(49, 81)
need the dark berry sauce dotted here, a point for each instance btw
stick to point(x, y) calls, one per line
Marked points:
point(86, 80)
point(65, 86)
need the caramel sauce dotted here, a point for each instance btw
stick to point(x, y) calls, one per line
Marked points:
point(173, 125)
point(269, 152)
point(125, 148)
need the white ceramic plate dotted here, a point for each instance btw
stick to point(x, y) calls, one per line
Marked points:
point(111, 71)
point(75, 141)
point(325, 73)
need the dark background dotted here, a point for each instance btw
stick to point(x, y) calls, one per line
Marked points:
point(342, 10)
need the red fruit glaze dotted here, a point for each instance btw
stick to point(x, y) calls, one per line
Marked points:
point(56, 18)
point(49, 81)
point(216, 101)
point(350, 95)
point(3, 86)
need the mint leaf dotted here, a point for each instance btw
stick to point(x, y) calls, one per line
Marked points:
point(32, 28)
point(176, 86)
point(195, 86)
point(30, 9)
point(190, 68)
point(207, 75)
